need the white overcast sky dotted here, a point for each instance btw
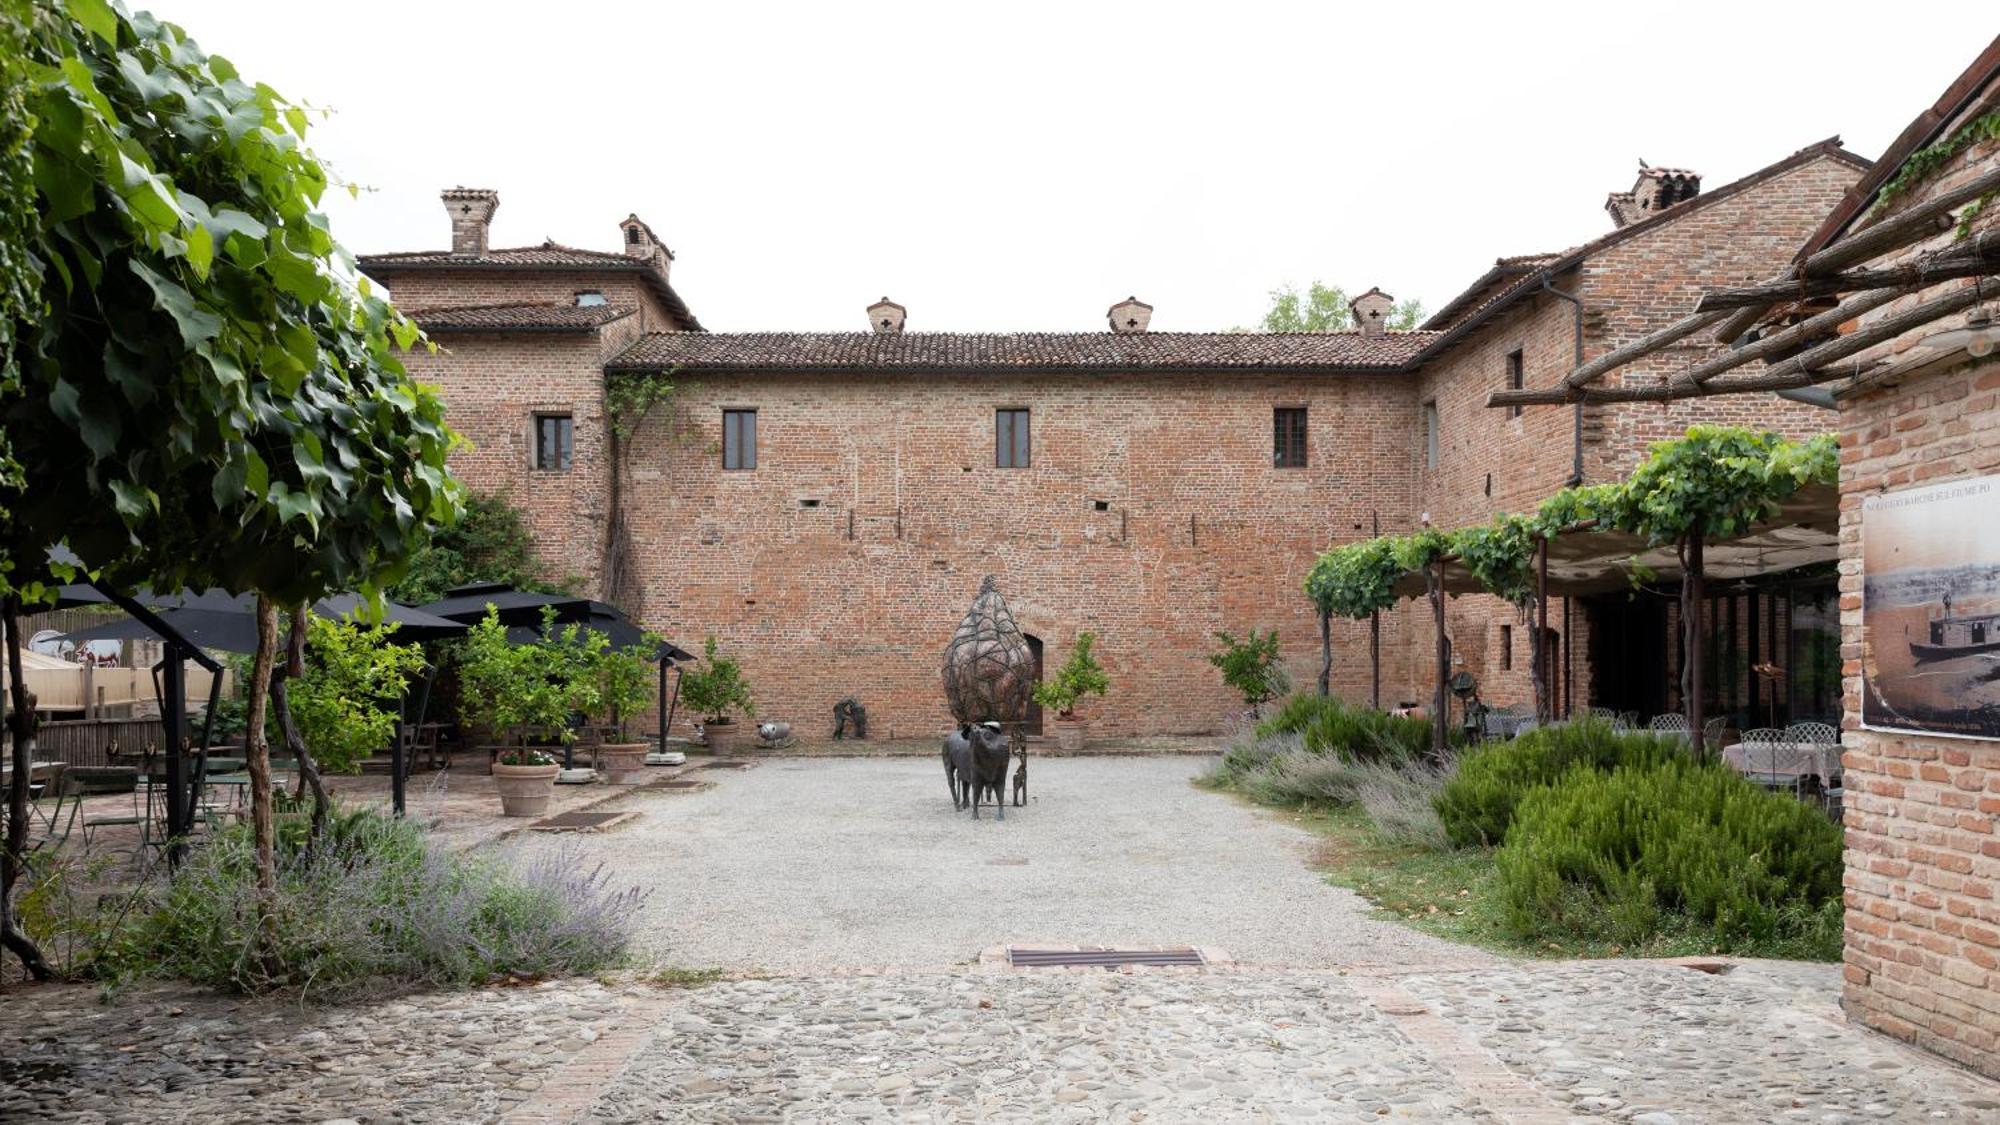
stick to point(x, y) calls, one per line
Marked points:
point(1023, 165)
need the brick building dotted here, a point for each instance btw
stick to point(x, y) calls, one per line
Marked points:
point(1889, 313)
point(826, 503)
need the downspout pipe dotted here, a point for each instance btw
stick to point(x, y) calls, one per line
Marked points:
point(1576, 441)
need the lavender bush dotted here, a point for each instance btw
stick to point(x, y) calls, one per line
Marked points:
point(374, 901)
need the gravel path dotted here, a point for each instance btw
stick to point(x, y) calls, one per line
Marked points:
point(803, 866)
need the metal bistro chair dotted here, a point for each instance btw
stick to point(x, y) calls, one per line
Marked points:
point(59, 820)
point(1760, 759)
point(109, 781)
point(1825, 740)
point(1673, 725)
point(1711, 734)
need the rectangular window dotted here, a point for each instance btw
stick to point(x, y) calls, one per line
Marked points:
point(1288, 437)
point(1431, 437)
point(739, 439)
point(555, 437)
point(1506, 647)
point(1516, 377)
point(1010, 439)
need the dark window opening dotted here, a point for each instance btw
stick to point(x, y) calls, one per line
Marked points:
point(1101, 505)
point(555, 438)
point(739, 439)
point(1011, 447)
point(1516, 377)
point(1288, 437)
point(1506, 647)
point(1431, 436)
point(809, 503)
point(632, 236)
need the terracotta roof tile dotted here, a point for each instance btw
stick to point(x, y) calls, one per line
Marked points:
point(519, 318)
point(1307, 352)
point(549, 255)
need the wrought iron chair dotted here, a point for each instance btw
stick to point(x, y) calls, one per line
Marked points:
point(1711, 733)
point(58, 821)
point(1672, 725)
point(109, 781)
point(1761, 748)
point(1819, 734)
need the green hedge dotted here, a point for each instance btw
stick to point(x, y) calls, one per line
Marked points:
point(1480, 802)
point(1359, 734)
point(1627, 854)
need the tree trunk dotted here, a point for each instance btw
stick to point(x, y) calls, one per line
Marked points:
point(1325, 653)
point(13, 858)
point(257, 751)
point(281, 705)
point(1440, 708)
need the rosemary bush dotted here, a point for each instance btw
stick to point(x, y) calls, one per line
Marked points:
point(1478, 805)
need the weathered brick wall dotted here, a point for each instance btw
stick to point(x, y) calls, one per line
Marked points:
point(1923, 859)
point(859, 594)
point(493, 384)
point(416, 291)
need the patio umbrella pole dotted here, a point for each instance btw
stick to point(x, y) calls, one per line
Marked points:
point(661, 756)
point(173, 714)
point(1543, 712)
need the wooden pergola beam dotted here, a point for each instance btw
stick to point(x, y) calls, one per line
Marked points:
point(1980, 259)
point(1700, 373)
point(1931, 217)
point(1808, 368)
point(1609, 361)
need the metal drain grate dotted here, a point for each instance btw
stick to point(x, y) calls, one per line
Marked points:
point(1085, 957)
point(578, 821)
point(679, 784)
point(726, 764)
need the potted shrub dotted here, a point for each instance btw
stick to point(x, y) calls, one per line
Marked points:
point(624, 688)
point(509, 690)
point(714, 691)
point(1080, 676)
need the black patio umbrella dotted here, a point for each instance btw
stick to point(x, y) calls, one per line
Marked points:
point(468, 604)
point(214, 619)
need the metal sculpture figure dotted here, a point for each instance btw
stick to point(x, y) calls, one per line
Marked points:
point(989, 673)
point(850, 711)
point(975, 765)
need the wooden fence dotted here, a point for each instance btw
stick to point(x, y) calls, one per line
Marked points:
point(87, 742)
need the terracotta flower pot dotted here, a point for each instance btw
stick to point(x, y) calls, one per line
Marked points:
point(624, 762)
point(1070, 733)
point(525, 790)
point(723, 738)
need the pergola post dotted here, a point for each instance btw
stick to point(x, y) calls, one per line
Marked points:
point(1543, 711)
point(1325, 653)
point(1375, 660)
point(1697, 635)
point(1440, 717)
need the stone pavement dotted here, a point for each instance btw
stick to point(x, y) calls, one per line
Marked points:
point(1643, 1042)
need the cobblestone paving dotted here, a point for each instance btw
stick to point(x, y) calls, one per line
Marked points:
point(1649, 1044)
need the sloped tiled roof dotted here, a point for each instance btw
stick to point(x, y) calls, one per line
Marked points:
point(1472, 307)
point(548, 255)
point(519, 318)
point(971, 352)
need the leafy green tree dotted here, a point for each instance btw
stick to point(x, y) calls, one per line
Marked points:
point(347, 703)
point(1323, 308)
point(207, 395)
point(489, 543)
point(625, 684)
point(717, 687)
point(1252, 667)
point(1079, 676)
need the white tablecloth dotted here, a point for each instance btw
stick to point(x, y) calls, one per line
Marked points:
point(1790, 758)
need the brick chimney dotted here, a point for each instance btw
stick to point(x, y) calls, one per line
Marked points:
point(886, 317)
point(1130, 315)
point(1371, 312)
point(471, 211)
point(1656, 190)
point(643, 244)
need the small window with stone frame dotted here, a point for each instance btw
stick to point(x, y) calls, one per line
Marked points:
point(739, 439)
point(1012, 447)
point(1516, 378)
point(1288, 437)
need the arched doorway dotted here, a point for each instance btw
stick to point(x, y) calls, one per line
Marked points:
point(1034, 708)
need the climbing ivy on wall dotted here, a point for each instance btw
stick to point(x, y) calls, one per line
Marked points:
point(1926, 162)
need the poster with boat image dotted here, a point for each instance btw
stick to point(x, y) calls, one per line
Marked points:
point(1930, 610)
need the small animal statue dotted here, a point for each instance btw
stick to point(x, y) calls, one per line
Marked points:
point(989, 766)
point(773, 734)
point(958, 766)
point(846, 711)
point(1021, 774)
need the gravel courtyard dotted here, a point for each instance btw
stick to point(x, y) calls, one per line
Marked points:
point(801, 866)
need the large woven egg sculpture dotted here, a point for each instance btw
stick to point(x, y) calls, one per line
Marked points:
point(988, 670)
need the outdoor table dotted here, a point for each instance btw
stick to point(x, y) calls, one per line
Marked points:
point(1796, 759)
